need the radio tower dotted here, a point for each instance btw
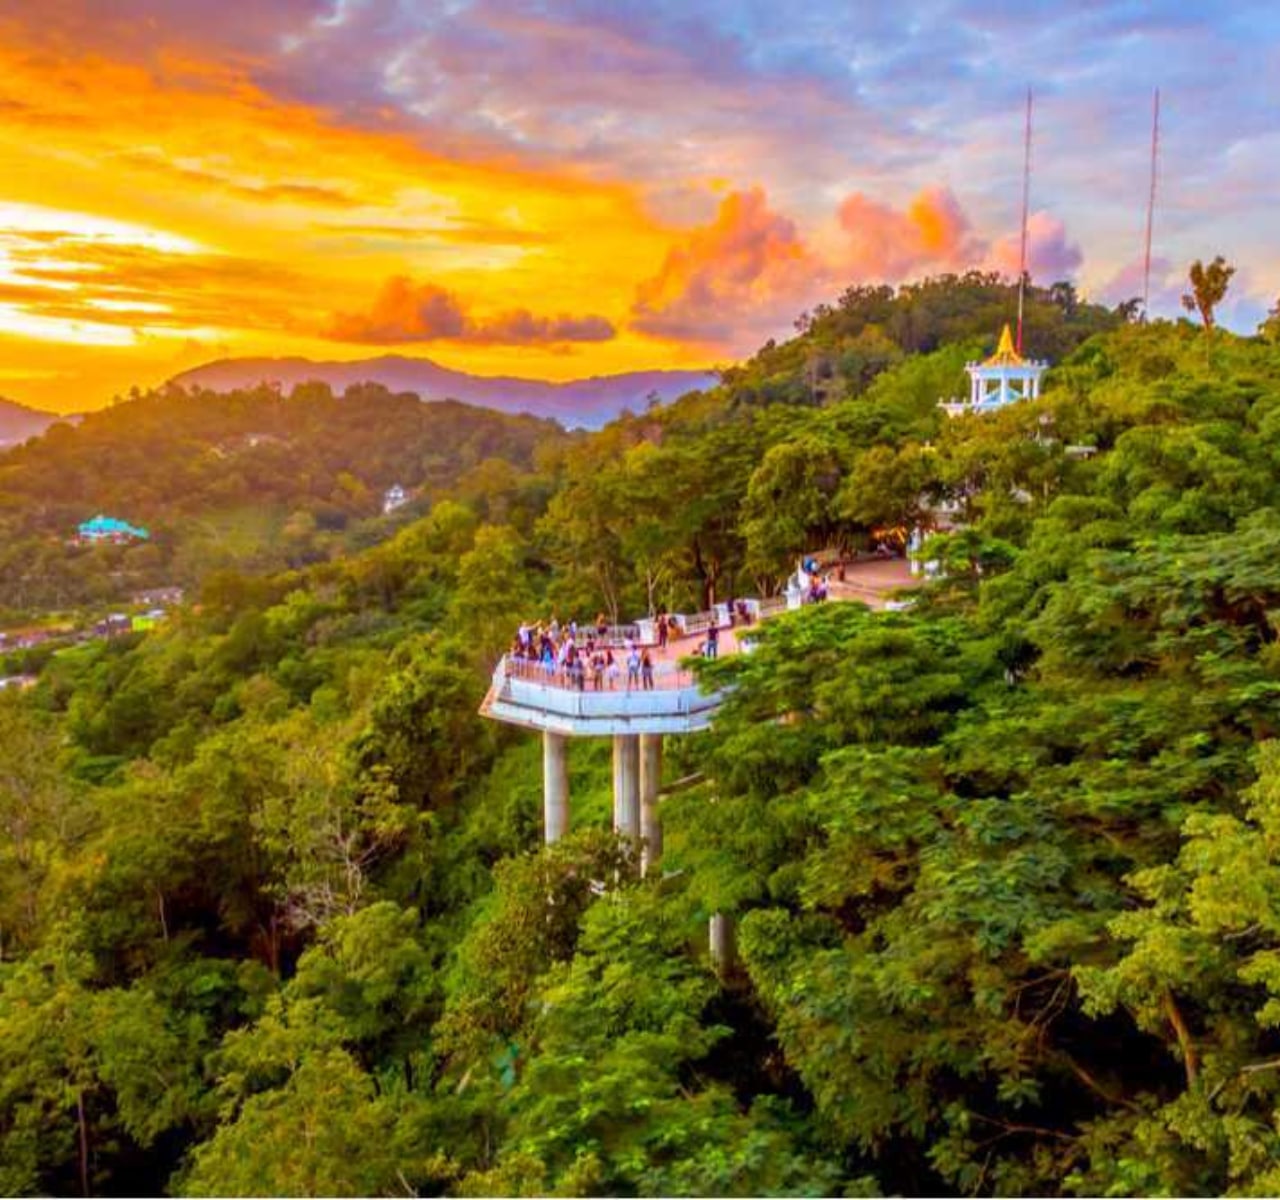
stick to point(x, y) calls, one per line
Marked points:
point(1026, 200)
point(1151, 204)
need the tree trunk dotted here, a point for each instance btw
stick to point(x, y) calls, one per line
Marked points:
point(275, 947)
point(1190, 1060)
point(84, 1143)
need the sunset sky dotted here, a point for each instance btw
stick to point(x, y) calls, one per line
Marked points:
point(566, 188)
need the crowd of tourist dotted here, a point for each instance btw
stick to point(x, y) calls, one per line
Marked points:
point(601, 657)
point(576, 657)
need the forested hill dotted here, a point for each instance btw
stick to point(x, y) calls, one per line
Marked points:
point(250, 480)
point(17, 422)
point(844, 345)
point(275, 917)
point(576, 404)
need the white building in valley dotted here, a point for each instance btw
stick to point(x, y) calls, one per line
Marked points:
point(394, 497)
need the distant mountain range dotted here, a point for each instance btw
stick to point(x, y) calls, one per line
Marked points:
point(17, 422)
point(587, 403)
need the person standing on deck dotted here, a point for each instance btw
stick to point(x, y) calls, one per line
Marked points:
point(646, 670)
point(713, 639)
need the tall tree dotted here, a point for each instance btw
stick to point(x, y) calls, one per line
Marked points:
point(1208, 288)
point(1270, 328)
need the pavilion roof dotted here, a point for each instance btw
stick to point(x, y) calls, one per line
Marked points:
point(1006, 355)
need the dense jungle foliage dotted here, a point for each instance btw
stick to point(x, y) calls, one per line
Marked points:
point(275, 917)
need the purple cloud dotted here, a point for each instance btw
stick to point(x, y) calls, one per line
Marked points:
point(1051, 256)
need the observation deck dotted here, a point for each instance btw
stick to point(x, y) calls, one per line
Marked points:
point(528, 694)
point(637, 713)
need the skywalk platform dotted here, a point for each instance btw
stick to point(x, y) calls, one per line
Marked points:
point(526, 694)
point(637, 718)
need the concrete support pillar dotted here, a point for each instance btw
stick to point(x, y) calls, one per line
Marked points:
point(723, 942)
point(650, 785)
point(555, 786)
point(626, 784)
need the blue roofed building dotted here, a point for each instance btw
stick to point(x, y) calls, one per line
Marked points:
point(111, 530)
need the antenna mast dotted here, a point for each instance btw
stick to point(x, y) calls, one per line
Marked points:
point(1026, 200)
point(1151, 204)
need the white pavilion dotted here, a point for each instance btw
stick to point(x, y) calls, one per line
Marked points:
point(1002, 379)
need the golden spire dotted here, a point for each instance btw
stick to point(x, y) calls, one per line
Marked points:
point(1005, 355)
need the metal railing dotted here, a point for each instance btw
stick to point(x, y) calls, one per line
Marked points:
point(613, 635)
point(690, 624)
point(528, 686)
point(618, 680)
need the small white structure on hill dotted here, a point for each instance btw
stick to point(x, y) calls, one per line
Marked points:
point(1002, 379)
point(394, 497)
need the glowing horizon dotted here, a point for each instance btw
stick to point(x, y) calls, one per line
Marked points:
point(508, 190)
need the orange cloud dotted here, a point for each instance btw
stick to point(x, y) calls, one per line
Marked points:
point(886, 244)
point(78, 277)
point(404, 311)
point(289, 191)
point(748, 273)
point(470, 232)
point(732, 280)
